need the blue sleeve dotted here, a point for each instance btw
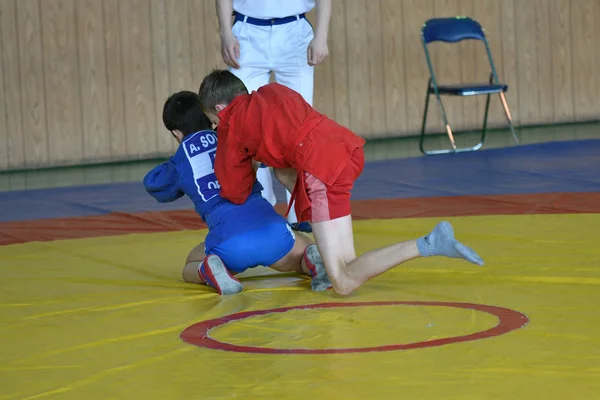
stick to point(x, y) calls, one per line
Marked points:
point(162, 182)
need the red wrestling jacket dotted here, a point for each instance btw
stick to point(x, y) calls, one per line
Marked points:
point(277, 127)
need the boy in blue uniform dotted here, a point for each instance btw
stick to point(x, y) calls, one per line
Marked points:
point(239, 236)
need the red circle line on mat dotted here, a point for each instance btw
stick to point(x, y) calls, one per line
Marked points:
point(508, 320)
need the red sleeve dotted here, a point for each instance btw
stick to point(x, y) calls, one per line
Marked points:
point(233, 167)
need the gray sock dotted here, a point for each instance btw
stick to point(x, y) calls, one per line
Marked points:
point(321, 281)
point(441, 242)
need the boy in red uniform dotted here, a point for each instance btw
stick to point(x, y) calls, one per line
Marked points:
point(317, 160)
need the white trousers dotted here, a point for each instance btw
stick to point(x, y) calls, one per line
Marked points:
point(281, 49)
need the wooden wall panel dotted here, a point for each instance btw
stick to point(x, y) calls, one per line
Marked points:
point(62, 84)
point(527, 65)
point(376, 77)
point(93, 81)
point(415, 13)
point(596, 38)
point(160, 71)
point(3, 109)
point(84, 81)
point(394, 81)
point(545, 83)
point(489, 15)
point(32, 91)
point(584, 39)
point(562, 61)
point(115, 80)
point(136, 47)
point(357, 48)
point(179, 46)
point(509, 72)
point(197, 50)
point(11, 97)
point(212, 41)
point(338, 57)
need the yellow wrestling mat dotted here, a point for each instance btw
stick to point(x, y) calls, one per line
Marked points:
point(102, 318)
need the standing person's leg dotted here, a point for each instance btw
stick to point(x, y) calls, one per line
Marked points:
point(292, 70)
point(255, 72)
point(290, 60)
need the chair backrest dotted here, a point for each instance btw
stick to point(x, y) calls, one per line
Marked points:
point(451, 30)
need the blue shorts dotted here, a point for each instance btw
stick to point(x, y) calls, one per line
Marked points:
point(248, 235)
point(261, 246)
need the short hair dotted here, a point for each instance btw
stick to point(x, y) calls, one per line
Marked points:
point(183, 112)
point(220, 87)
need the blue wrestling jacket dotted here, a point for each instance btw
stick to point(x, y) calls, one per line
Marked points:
point(191, 172)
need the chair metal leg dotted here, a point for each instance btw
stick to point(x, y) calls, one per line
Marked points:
point(450, 136)
point(424, 123)
point(508, 116)
point(446, 123)
point(454, 149)
point(485, 120)
point(485, 116)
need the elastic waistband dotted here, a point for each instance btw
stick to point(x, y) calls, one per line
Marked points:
point(267, 22)
point(211, 216)
point(215, 214)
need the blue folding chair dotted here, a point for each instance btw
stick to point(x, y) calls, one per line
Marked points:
point(454, 30)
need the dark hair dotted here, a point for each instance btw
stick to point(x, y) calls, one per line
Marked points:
point(183, 112)
point(220, 87)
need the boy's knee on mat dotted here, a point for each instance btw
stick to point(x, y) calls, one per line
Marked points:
point(342, 283)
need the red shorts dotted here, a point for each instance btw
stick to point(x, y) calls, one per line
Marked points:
point(331, 202)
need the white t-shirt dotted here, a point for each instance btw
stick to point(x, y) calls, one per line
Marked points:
point(266, 9)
